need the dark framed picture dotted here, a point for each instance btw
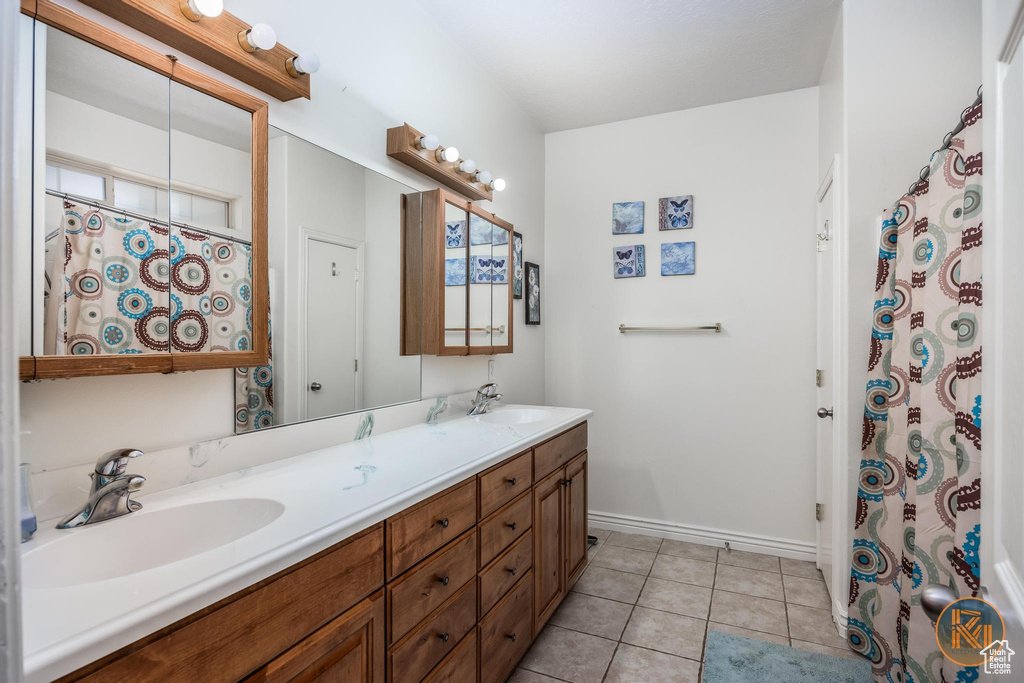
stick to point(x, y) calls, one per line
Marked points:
point(517, 266)
point(532, 284)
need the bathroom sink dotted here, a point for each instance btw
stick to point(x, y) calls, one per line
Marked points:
point(143, 540)
point(514, 416)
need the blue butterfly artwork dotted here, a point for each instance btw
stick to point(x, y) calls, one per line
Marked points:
point(675, 213)
point(499, 270)
point(480, 269)
point(455, 234)
point(454, 272)
point(627, 218)
point(628, 261)
point(678, 258)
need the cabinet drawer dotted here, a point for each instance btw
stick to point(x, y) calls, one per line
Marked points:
point(499, 576)
point(501, 484)
point(419, 592)
point(236, 636)
point(505, 633)
point(421, 650)
point(415, 533)
point(554, 453)
point(505, 526)
point(459, 666)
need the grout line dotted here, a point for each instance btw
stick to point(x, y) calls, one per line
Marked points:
point(608, 668)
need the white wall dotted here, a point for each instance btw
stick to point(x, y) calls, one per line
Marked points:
point(382, 72)
point(697, 430)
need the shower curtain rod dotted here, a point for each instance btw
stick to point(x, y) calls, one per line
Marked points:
point(141, 217)
point(946, 142)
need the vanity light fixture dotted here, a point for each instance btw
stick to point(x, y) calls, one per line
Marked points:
point(468, 166)
point(259, 37)
point(498, 184)
point(307, 62)
point(428, 142)
point(449, 154)
point(483, 177)
point(194, 10)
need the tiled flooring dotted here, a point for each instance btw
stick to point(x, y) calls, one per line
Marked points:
point(643, 608)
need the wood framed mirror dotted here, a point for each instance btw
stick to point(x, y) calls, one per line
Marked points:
point(147, 245)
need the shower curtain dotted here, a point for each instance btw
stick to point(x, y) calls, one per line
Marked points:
point(254, 392)
point(126, 285)
point(919, 494)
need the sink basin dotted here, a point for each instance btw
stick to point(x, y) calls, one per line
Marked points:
point(514, 416)
point(143, 540)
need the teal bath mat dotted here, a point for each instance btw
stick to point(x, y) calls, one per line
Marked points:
point(735, 659)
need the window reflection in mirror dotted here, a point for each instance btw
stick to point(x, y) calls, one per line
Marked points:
point(100, 151)
point(480, 281)
point(456, 272)
point(210, 206)
point(334, 245)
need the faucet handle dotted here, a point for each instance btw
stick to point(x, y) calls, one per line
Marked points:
point(115, 462)
point(487, 389)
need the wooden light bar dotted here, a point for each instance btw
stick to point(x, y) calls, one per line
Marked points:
point(402, 145)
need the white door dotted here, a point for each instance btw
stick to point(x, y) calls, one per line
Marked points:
point(824, 378)
point(332, 280)
point(1002, 533)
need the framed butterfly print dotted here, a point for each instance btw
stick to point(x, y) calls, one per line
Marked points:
point(675, 213)
point(517, 266)
point(678, 258)
point(628, 261)
point(627, 218)
point(454, 234)
point(532, 284)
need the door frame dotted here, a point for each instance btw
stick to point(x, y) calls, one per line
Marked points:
point(307, 235)
point(842, 495)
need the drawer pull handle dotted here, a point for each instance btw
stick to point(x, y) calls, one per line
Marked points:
point(512, 571)
point(444, 580)
point(566, 482)
point(511, 481)
point(511, 526)
point(512, 637)
point(444, 523)
point(443, 636)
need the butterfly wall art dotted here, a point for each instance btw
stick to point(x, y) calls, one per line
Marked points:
point(455, 234)
point(627, 218)
point(628, 261)
point(675, 213)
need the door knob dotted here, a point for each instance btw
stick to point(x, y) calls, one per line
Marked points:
point(315, 386)
point(824, 412)
point(936, 598)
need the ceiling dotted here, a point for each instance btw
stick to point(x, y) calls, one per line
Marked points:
point(575, 63)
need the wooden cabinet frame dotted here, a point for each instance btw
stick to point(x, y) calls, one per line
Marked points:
point(423, 297)
point(49, 367)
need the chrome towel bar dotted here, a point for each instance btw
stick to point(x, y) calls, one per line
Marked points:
point(717, 327)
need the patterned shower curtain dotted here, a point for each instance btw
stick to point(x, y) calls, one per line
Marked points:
point(919, 494)
point(254, 392)
point(126, 285)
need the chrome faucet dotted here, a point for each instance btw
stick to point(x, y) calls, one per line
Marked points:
point(110, 490)
point(485, 396)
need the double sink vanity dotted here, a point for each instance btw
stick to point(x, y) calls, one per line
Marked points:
point(434, 552)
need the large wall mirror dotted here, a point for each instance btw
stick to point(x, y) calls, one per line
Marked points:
point(335, 244)
point(145, 233)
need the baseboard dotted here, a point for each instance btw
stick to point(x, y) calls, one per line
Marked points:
point(840, 616)
point(767, 545)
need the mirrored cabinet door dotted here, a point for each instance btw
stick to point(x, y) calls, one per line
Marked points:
point(480, 271)
point(210, 207)
point(456, 270)
point(100, 243)
point(501, 289)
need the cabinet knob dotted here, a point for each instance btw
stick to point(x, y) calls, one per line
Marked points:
point(444, 580)
point(444, 523)
point(443, 636)
point(512, 526)
point(511, 481)
point(512, 637)
point(512, 571)
point(565, 482)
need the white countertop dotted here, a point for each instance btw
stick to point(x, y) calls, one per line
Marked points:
point(327, 495)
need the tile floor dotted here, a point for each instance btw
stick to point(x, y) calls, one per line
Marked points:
point(643, 608)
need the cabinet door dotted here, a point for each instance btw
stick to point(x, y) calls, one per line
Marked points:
point(456, 274)
point(349, 649)
point(480, 272)
point(549, 545)
point(575, 519)
point(501, 289)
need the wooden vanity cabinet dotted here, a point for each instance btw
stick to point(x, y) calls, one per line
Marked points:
point(452, 589)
